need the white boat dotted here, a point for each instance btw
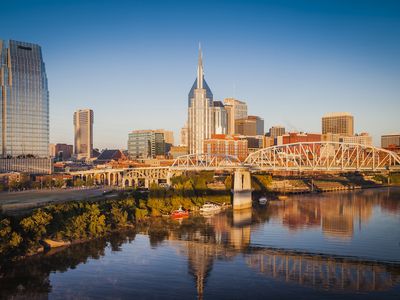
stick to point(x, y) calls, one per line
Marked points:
point(210, 207)
point(263, 201)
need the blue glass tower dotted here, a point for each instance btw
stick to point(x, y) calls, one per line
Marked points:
point(24, 101)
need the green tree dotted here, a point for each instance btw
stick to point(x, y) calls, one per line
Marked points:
point(35, 225)
point(9, 240)
point(119, 218)
point(79, 182)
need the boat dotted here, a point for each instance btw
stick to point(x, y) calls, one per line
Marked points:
point(210, 207)
point(263, 201)
point(179, 213)
point(282, 197)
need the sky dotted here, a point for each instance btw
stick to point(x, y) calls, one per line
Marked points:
point(134, 62)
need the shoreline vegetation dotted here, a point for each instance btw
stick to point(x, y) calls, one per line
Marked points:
point(61, 224)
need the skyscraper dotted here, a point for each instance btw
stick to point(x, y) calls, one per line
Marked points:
point(24, 108)
point(235, 110)
point(250, 126)
point(184, 138)
point(24, 100)
point(338, 123)
point(83, 123)
point(200, 111)
point(276, 131)
point(220, 118)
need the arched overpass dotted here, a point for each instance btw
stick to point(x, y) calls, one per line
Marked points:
point(297, 157)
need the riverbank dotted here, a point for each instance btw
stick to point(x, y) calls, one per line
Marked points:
point(69, 222)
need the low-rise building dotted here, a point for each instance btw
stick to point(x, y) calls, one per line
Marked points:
point(222, 144)
point(110, 155)
point(362, 138)
point(391, 142)
point(60, 152)
point(146, 144)
point(298, 137)
point(177, 151)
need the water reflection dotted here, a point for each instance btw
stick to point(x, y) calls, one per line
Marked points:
point(203, 241)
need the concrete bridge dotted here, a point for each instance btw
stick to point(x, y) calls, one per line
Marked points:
point(298, 157)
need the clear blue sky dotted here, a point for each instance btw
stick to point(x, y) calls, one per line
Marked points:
point(133, 62)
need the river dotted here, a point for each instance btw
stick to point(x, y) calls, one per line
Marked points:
point(342, 245)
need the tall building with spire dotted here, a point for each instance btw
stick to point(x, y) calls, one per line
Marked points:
point(200, 111)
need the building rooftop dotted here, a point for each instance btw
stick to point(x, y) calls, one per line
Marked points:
point(337, 114)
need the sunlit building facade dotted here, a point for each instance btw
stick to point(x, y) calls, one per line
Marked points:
point(83, 124)
point(24, 100)
point(24, 108)
point(220, 118)
point(235, 109)
point(146, 144)
point(338, 123)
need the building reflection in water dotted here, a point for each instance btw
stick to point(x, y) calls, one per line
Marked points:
point(228, 234)
point(337, 214)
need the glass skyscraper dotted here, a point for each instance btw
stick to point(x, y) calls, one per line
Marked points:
point(24, 108)
point(24, 101)
point(200, 111)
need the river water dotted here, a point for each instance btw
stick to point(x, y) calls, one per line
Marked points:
point(343, 245)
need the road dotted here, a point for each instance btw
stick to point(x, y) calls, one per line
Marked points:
point(20, 201)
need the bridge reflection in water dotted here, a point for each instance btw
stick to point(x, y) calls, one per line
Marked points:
point(226, 236)
point(231, 236)
point(322, 272)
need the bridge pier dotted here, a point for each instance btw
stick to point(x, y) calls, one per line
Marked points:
point(242, 189)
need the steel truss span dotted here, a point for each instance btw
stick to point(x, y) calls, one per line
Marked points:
point(323, 156)
point(206, 161)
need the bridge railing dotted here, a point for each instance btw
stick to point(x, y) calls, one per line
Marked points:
point(206, 161)
point(323, 156)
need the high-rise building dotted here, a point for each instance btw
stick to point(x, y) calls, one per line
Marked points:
point(220, 118)
point(235, 110)
point(83, 123)
point(168, 136)
point(340, 123)
point(200, 111)
point(184, 135)
point(24, 107)
point(168, 139)
point(250, 126)
point(146, 144)
point(276, 131)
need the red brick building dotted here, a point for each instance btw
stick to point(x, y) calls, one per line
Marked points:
point(226, 145)
point(295, 137)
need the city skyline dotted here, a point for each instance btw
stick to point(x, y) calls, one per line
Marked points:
point(272, 68)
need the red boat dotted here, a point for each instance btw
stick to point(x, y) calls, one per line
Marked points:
point(179, 214)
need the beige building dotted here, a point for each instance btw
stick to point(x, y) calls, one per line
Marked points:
point(339, 123)
point(362, 138)
point(250, 126)
point(184, 138)
point(83, 123)
point(390, 140)
point(168, 136)
point(276, 131)
point(61, 151)
point(235, 109)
